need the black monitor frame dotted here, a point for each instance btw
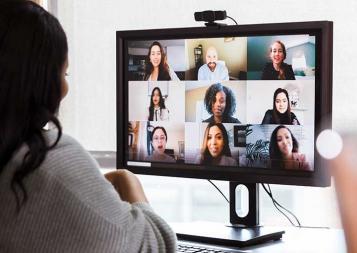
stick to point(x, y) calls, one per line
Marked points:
point(323, 30)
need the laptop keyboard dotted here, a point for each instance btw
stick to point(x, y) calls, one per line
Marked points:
point(190, 247)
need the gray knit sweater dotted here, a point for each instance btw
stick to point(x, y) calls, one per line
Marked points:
point(73, 208)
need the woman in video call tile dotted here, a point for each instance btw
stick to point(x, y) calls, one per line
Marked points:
point(215, 148)
point(281, 113)
point(284, 151)
point(277, 69)
point(157, 109)
point(158, 142)
point(220, 103)
point(157, 68)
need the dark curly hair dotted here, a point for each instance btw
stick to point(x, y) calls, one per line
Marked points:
point(210, 99)
point(274, 151)
point(33, 50)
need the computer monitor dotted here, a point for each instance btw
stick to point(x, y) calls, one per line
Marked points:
point(237, 103)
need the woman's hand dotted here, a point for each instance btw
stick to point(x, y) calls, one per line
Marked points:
point(127, 185)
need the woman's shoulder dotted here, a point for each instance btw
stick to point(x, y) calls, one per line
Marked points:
point(293, 116)
point(289, 72)
point(268, 117)
point(294, 119)
point(269, 112)
point(286, 65)
point(164, 114)
point(228, 161)
point(173, 75)
point(209, 120)
point(169, 159)
point(148, 158)
point(268, 72)
point(65, 141)
point(68, 155)
point(233, 120)
point(230, 119)
point(268, 66)
point(160, 158)
point(198, 159)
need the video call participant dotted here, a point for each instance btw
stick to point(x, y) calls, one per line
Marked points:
point(157, 68)
point(277, 69)
point(157, 109)
point(220, 103)
point(284, 151)
point(213, 70)
point(281, 113)
point(158, 142)
point(215, 147)
point(53, 196)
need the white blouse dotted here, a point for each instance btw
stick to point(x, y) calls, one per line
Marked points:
point(160, 114)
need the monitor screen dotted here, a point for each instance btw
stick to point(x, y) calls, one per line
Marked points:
point(233, 103)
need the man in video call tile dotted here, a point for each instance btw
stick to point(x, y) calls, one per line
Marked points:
point(213, 70)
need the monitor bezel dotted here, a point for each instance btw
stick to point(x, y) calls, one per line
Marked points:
point(323, 101)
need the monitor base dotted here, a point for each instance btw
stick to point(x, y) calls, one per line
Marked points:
point(219, 234)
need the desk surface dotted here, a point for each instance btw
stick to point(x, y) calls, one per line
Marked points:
point(297, 240)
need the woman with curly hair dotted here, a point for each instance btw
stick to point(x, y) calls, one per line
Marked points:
point(221, 104)
point(284, 150)
point(157, 68)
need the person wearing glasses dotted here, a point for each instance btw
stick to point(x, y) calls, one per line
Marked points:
point(158, 143)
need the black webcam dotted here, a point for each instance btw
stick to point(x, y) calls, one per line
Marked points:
point(210, 17)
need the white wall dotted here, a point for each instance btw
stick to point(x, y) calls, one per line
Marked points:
point(176, 57)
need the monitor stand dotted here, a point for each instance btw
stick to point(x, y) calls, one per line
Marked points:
point(244, 229)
